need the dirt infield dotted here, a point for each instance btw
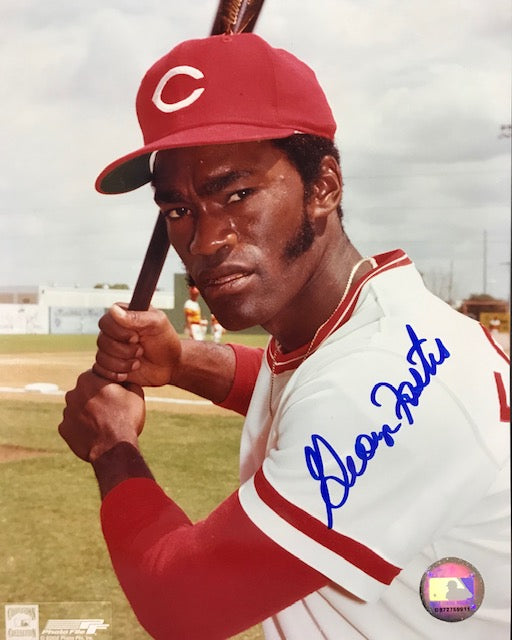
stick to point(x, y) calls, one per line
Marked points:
point(12, 453)
point(45, 377)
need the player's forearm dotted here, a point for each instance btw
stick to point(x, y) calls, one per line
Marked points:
point(205, 369)
point(204, 581)
point(118, 464)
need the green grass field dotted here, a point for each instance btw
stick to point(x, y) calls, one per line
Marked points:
point(61, 343)
point(53, 551)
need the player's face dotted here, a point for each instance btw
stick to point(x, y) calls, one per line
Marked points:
point(237, 219)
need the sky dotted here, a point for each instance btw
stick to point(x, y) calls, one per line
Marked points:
point(420, 90)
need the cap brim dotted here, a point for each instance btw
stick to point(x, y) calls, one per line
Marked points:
point(133, 170)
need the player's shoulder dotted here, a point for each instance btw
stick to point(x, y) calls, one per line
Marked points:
point(444, 347)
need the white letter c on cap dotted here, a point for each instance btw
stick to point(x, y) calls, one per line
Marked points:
point(169, 107)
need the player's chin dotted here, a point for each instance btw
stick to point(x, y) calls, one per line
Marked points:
point(235, 322)
point(237, 314)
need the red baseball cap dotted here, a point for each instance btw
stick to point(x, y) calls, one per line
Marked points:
point(218, 90)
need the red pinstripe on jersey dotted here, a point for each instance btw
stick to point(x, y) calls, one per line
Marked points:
point(354, 552)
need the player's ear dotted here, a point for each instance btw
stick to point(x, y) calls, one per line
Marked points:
point(327, 189)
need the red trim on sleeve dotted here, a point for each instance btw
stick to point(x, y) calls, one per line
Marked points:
point(248, 363)
point(205, 581)
point(354, 552)
point(494, 345)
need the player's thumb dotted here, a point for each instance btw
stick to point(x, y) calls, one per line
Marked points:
point(134, 320)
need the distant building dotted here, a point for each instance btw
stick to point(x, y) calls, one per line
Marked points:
point(72, 310)
point(19, 295)
point(483, 307)
point(75, 310)
point(493, 314)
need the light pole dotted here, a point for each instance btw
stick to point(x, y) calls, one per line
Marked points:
point(485, 263)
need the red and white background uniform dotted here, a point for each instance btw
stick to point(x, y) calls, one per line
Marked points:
point(436, 487)
point(196, 326)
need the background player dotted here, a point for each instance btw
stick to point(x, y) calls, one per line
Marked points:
point(195, 326)
point(217, 329)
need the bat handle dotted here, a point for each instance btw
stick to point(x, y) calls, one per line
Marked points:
point(152, 266)
point(235, 16)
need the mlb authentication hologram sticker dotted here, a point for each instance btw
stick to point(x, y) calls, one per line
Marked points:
point(451, 589)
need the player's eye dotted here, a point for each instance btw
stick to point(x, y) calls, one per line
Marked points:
point(177, 212)
point(239, 195)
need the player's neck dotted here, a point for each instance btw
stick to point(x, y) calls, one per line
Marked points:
point(321, 297)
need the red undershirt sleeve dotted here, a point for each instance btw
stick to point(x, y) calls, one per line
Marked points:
point(197, 581)
point(248, 362)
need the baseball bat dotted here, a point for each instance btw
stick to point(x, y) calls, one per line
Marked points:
point(233, 16)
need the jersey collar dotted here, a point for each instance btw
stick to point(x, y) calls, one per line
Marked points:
point(280, 362)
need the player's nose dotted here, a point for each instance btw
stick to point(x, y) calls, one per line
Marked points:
point(212, 232)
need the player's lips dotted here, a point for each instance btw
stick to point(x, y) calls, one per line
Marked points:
point(225, 281)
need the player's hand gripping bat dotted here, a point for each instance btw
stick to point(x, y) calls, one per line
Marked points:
point(233, 16)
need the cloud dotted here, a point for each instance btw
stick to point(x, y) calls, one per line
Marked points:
point(420, 90)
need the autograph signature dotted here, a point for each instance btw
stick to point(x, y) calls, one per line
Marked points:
point(405, 396)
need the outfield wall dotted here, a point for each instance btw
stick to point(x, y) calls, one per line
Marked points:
point(67, 310)
point(23, 318)
point(38, 319)
point(75, 310)
point(75, 320)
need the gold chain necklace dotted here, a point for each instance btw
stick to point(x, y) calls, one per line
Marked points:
point(310, 346)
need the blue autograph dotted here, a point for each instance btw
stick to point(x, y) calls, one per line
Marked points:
point(405, 396)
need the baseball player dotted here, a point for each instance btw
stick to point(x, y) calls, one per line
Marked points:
point(195, 326)
point(375, 441)
point(217, 329)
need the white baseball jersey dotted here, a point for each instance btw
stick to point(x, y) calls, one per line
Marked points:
point(196, 326)
point(385, 450)
point(192, 311)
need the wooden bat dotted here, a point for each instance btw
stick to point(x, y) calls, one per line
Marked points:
point(233, 16)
